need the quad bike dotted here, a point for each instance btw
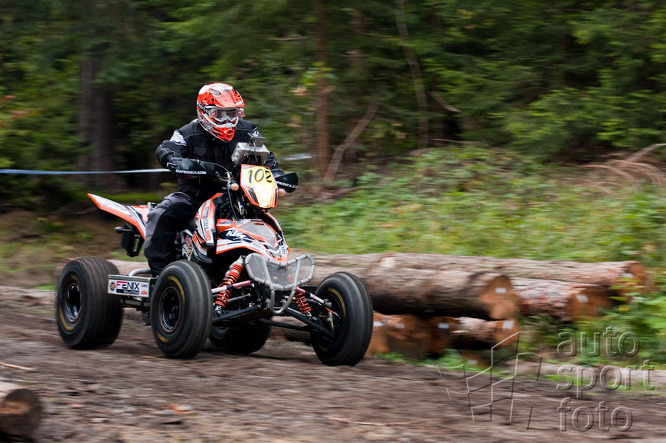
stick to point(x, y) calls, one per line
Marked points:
point(232, 283)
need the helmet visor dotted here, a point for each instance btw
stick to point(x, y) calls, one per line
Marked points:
point(223, 114)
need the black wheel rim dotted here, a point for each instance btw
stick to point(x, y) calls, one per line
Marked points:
point(337, 306)
point(72, 303)
point(170, 309)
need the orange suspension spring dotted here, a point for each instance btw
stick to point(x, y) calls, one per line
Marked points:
point(303, 304)
point(229, 279)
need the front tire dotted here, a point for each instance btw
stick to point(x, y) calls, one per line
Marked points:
point(86, 314)
point(181, 310)
point(351, 324)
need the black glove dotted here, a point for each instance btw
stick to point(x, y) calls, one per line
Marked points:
point(173, 163)
point(288, 182)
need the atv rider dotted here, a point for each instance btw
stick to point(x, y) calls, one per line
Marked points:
point(211, 137)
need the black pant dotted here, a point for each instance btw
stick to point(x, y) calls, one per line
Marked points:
point(164, 222)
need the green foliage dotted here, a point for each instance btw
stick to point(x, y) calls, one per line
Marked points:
point(558, 78)
point(561, 81)
point(468, 200)
point(644, 317)
point(38, 128)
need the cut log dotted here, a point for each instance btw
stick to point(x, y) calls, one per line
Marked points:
point(568, 301)
point(473, 333)
point(441, 330)
point(628, 276)
point(379, 341)
point(20, 411)
point(408, 335)
point(323, 271)
point(433, 293)
point(342, 260)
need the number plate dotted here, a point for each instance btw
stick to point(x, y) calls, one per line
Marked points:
point(129, 286)
point(259, 186)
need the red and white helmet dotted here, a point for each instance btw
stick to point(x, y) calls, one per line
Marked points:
point(219, 106)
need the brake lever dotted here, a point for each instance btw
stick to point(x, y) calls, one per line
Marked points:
point(228, 182)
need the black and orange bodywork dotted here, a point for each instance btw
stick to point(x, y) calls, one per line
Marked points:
point(221, 235)
point(135, 215)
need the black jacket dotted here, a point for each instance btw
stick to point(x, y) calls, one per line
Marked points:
point(193, 141)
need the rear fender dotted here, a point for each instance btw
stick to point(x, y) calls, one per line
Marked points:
point(135, 215)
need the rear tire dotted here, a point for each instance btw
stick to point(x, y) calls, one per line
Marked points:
point(86, 314)
point(244, 339)
point(352, 327)
point(181, 310)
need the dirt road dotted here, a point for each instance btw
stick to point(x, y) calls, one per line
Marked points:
point(130, 393)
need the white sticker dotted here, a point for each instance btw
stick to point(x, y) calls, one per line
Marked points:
point(508, 324)
point(581, 298)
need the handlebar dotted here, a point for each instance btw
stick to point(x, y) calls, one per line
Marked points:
point(194, 167)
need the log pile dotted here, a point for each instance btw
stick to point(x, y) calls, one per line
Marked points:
point(474, 301)
point(426, 303)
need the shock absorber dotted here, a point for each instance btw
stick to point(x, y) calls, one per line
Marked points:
point(302, 303)
point(230, 278)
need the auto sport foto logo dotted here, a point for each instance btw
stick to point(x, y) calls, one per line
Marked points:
point(491, 392)
point(506, 389)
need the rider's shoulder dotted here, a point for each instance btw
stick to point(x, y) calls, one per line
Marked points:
point(244, 130)
point(192, 128)
point(245, 125)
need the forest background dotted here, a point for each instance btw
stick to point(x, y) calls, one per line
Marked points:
point(523, 129)
point(98, 84)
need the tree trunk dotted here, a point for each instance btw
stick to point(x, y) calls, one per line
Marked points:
point(432, 293)
point(441, 329)
point(323, 143)
point(20, 411)
point(568, 301)
point(408, 335)
point(95, 123)
point(473, 333)
point(95, 114)
point(627, 276)
point(379, 341)
point(419, 89)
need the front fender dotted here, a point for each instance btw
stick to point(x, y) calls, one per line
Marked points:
point(255, 236)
